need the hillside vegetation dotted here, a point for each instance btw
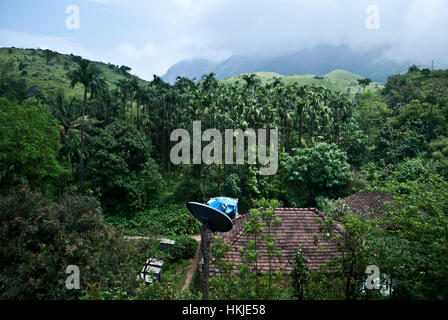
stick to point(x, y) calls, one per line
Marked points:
point(337, 80)
point(48, 69)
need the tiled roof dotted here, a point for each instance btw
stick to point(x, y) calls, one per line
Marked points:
point(369, 202)
point(297, 226)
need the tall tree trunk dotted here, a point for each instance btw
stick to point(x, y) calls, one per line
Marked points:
point(138, 114)
point(301, 127)
point(81, 160)
point(162, 139)
point(132, 111)
point(105, 109)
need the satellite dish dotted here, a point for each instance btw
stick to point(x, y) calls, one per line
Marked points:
point(211, 218)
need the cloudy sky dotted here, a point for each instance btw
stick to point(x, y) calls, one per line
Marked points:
point(151, 35)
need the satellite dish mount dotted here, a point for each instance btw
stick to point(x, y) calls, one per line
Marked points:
point(212, 220)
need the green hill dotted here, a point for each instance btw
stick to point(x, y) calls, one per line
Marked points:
point(48, 69)
point(338, 80)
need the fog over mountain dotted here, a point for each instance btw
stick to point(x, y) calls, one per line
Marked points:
point(320, 59)
point(234, 36)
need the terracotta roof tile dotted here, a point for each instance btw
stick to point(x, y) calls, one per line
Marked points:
point(297, 226)
point(364, 202)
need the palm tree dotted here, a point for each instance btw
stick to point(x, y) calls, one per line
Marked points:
point(63, 110)
point(123, 93)
point(364, 83)
point(302, 104)
point(106, 98)
point(317, 97)
point(97, 85)
point(84, 74)
point(133, 89)
point(71, 149)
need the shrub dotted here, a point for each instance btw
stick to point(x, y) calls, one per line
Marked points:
point(39, 239)
point(332, 208)
point(321, 170)
point(184, 248)
point(29, 145)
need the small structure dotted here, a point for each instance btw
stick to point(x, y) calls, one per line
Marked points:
point(152, 271)
point(166, 244)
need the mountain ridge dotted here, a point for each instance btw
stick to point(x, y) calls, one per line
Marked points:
point(318, 60)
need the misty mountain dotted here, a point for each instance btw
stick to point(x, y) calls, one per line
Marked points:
point(318, 60)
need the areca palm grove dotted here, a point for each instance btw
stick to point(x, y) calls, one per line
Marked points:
point(304, 116)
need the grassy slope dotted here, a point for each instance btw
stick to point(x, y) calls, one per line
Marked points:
point(338, 80)
point(54, 75)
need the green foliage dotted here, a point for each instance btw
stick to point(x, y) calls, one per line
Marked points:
point(123, 152)
point(439, 148)
point(321, 168)
point(39, 239)
point(355, 254)
point(184, 248)
point(169, 221)
point(29, 145)
point(300, 275)
point(11, 86)
point(412, 169)
point(332, 208)
point(415, 256)
point(371, 113)
point(157, 291)
point(49, 78)
point(250, 282)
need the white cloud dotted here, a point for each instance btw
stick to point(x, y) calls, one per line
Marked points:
point(155, 58)
point(65, 45)
point(422, 36)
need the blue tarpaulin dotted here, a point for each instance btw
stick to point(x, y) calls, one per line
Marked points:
point(227, 205)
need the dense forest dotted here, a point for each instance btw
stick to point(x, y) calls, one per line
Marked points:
point(86, 161)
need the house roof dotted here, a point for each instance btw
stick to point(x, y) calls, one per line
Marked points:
point(297, 226)
point(364, 202)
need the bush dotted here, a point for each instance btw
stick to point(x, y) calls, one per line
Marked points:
point(320, 170)
point(39, 239)
point(185, 248)
point(29, 145)
point(332, 208)
point(412, 169)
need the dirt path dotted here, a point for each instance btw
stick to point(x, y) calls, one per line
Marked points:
point(193, 264)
